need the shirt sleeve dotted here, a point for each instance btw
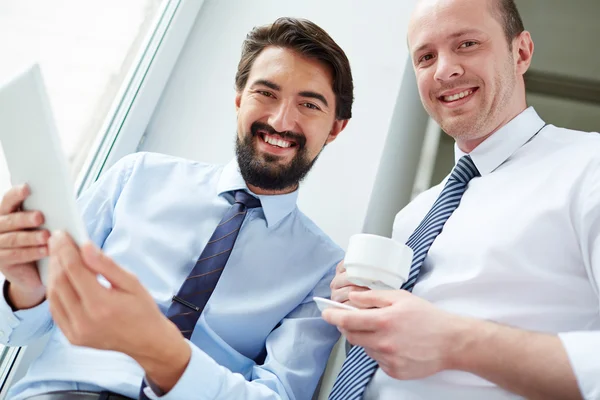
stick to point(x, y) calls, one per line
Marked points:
point(583, 347)
point(297, 352)
point(96, 206)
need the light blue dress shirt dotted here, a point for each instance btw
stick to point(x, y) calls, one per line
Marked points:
point(153, 214)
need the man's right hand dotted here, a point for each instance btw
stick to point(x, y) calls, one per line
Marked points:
point(341, 287)
point(21, 245)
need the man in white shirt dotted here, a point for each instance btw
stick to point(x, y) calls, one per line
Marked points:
point(506, 304)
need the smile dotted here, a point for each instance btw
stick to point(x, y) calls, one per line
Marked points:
point(276, 140)
point(457, 96)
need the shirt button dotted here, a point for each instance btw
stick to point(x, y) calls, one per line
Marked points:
point(1, 334)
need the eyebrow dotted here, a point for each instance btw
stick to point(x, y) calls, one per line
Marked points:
point(451, 36)
point(269, 84)
point(314, 95)
point(305, 93)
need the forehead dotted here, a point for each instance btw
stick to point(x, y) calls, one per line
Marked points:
point(291, 70)
point(438, 20)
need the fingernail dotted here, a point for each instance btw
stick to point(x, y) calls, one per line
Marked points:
point(36, 218)
point(41, 238)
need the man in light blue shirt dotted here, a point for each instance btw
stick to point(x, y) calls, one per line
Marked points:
point(260, 336)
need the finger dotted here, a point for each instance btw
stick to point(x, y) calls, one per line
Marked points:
point(54, 302)
point(340, 280)
point(59, 315)
point(355, 320)
point(383, 359)
point(342, 295)
point(340, 268)
point(101, 264)
point(18, 221)
point(70, 300)
point(23, 239)
point(22, 255)
point(61, 291)
point(13, 199)
point(361, 338)
point(83, 279)
point(377, 298)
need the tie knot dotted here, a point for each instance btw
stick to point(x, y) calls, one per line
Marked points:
point(242, 197)
point(465, 170)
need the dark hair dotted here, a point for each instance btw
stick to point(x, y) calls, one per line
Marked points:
point(309, 40)
point(508, 15)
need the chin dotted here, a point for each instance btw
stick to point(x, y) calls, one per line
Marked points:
point(461, 128)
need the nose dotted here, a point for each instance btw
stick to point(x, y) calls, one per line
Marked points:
point(283, 117)
point(448, 67)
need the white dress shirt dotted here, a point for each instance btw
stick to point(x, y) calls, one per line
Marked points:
point(522, 249)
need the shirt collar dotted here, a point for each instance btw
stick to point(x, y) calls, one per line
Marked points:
point(498, 148)
point(275, 207)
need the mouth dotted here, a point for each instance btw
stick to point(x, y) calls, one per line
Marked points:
point(458, 98)
point(275, 144)
point(276, 140)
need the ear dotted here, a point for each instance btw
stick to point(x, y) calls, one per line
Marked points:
point(523, 52)
point(238, 101)
point(338, 126)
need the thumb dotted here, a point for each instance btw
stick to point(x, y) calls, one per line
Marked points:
point(376, 298)
point(101, 264)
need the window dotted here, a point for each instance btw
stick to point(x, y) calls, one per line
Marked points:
point(85, 50)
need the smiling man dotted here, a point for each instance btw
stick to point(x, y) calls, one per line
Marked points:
point(212, 269)
point(505, 277)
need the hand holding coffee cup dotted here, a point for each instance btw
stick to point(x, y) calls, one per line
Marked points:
point(377, 262)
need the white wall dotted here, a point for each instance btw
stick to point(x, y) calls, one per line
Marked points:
point(196, 117)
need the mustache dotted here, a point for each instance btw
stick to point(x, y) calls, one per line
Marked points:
point(298, 138)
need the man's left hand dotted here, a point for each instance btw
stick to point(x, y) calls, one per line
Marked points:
point(123, 317)
point(407, 336)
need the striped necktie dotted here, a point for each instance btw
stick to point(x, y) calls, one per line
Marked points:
point(359, 368)
point(193, 295)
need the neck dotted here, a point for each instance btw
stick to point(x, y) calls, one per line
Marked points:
point(264, 192)
point(468, 145)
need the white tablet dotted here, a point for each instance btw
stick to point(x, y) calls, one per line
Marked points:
point(34, 155)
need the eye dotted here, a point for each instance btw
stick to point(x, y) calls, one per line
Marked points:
point(265, 93)
point(467, 44)
point(426, 58)
point(311, 106)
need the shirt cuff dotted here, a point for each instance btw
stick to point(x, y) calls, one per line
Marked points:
point(584, 362)
point(10, 320)
point(202, 372)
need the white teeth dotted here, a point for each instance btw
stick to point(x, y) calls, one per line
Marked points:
point(277, 142)
point(457, 96)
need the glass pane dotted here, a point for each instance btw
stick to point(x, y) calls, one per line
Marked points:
point(85, 50)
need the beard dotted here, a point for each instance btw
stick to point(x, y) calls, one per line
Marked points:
point(264, 170)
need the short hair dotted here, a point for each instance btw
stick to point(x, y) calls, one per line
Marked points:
point(308, 40)
point(506, 12)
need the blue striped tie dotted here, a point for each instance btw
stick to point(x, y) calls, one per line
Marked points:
point(359, 368)
point(193, 295)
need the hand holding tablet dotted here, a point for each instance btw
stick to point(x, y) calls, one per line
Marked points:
point(34, 156)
